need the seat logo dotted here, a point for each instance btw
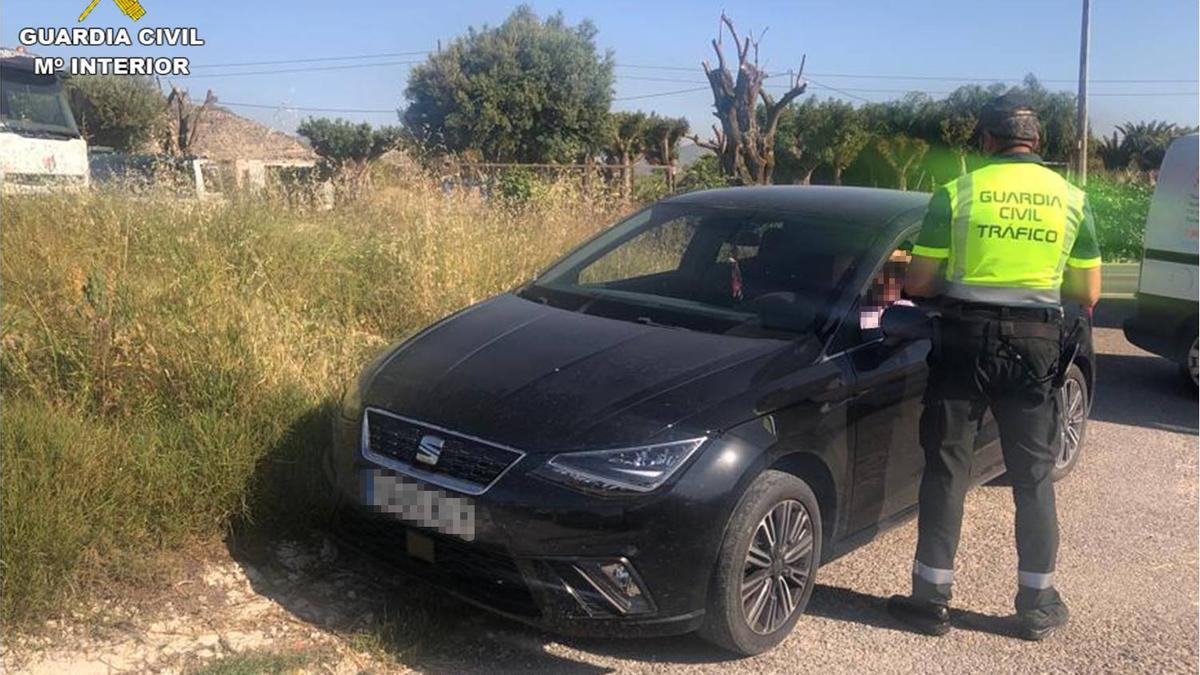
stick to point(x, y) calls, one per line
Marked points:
point(429, 450)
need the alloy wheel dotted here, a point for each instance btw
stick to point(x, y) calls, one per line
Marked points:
point(779, 563)
point(1074, 413)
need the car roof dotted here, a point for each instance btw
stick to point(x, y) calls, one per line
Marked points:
point(866, 206)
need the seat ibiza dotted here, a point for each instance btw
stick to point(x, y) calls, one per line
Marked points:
point(669, 430)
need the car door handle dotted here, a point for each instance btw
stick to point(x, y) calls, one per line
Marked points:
point(834, 405)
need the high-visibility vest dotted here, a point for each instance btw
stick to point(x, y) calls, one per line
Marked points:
point(1012, 228)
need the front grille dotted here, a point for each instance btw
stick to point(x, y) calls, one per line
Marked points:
point(481, 574)
point(471, 461)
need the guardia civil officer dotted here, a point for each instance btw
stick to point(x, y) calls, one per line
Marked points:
point(999, 250)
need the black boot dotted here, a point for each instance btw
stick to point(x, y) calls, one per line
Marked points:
point(1038, 624)
point(922, 616)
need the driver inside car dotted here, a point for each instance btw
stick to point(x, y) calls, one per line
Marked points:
point(885, 291)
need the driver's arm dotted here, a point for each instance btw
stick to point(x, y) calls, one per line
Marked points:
point(924, 276)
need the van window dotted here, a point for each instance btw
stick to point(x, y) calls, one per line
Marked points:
point(30, 102)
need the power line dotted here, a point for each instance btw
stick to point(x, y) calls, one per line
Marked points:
point(313, 60)
point(1144, 93)
point(661, 93)
point(646, 66)
point(643, 66)
point(308, 70)
point(941, 78)
point(840, 91)
point(284, 106)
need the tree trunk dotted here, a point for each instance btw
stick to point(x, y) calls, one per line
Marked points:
point(837, 174)
point(746, 148)
point(626, 176)
point(806, 177)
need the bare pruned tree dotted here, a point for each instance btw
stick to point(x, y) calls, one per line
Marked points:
point(185, 120)
point(745, 140)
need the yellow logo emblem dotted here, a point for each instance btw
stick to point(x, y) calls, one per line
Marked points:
point(130, 8)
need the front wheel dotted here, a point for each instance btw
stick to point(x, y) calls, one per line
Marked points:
point(1073, 406)
point(767, 566)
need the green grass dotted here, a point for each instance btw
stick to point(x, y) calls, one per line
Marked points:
point(169, 369)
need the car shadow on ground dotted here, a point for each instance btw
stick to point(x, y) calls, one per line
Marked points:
point(339, 591)
point(1144, 391)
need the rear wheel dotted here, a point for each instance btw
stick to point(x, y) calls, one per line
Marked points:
point(767, 565)
point(1073, 406)
point(1188, 362)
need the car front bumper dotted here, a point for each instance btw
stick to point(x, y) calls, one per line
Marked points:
point(534, 545)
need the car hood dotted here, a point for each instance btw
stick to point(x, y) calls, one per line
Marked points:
point(539, 378)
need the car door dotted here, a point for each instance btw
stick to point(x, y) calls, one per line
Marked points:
point(890, 380)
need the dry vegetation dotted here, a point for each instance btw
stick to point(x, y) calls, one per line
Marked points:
point(169, 368)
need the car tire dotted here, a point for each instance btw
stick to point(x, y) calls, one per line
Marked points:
point(1074, 404)
point(773, 499)
point(1188, 363)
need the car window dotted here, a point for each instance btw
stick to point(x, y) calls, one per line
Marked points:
point(657, 250)
point(712, 268)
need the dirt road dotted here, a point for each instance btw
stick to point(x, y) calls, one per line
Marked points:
point(1128, 570)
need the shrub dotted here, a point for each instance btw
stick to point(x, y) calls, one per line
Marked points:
point(703, 174)
point(650, 188)
point(169, 369)
point(1120, 210)
point(517, 187)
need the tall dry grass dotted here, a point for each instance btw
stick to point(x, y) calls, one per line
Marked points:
point(169, 368)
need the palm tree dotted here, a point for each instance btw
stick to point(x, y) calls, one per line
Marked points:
point(1112, 153)
point(1146, 143)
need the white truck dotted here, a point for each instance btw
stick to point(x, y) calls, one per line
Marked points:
point(1168, 284)
point(40, 145)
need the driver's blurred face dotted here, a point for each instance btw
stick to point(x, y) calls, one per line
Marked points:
point(889, 283)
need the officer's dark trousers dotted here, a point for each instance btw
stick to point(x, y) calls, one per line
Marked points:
point(976, 368)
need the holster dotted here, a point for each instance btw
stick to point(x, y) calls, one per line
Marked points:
point(1068, 350)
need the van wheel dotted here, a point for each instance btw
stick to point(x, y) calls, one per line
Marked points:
point(1073, 406)
point(1188, 363)
point(767, 566)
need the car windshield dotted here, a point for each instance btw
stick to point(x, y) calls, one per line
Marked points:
point(34, 103)
point(715, 269)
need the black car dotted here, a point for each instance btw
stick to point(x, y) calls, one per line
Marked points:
point(670, 429)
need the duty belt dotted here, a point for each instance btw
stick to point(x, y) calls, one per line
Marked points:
point(980, 312)
point(1005, 328)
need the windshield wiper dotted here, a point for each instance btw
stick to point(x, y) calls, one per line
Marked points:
point(645, 320)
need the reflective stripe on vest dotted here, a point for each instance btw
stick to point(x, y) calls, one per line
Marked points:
point(1012, 228)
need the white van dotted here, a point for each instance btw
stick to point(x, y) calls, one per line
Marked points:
point(41, 148)
point(1167, 295)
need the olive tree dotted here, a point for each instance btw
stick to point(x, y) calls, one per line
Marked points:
point(123, 112)
point(526, 91)
point(661, 143)
point(347, 148)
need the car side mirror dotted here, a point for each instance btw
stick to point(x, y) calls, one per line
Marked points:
point(906, 323)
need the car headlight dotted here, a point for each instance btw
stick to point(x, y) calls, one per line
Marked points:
point(637, 469)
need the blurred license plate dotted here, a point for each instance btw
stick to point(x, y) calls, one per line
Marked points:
point(415, 503)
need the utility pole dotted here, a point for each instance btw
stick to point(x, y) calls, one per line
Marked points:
point(1081, 121)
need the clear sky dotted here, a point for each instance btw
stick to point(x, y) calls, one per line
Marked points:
point(851, 45)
